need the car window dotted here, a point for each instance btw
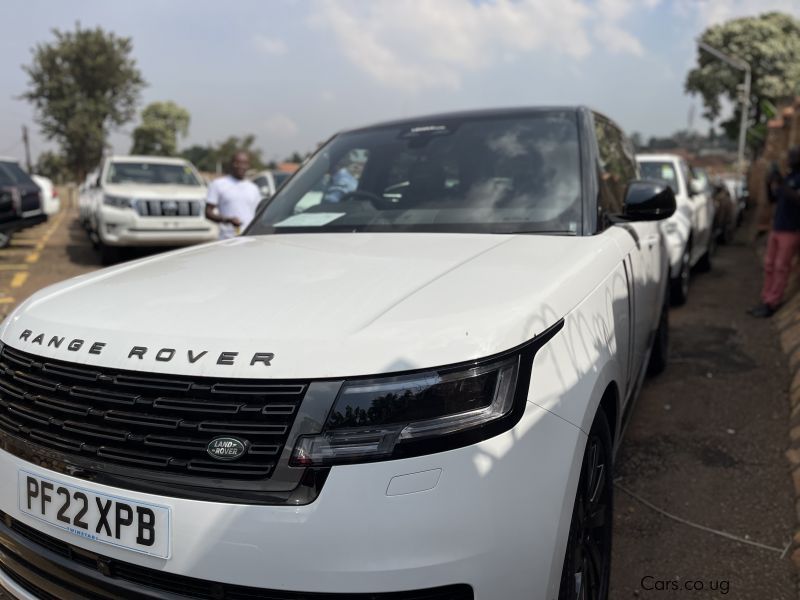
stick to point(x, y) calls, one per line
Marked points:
point(660, 169)
point(617, 165)
point(151, 173)
point(701, 177)
point(495, 174)
point(12, 174)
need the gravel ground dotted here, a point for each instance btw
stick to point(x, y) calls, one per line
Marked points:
point(706, 444)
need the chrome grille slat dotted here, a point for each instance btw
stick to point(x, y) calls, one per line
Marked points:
point(157, 208)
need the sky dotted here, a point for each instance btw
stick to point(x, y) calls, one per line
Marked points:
point(293, 72)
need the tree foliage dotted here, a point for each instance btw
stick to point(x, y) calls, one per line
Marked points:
point(81, 85)
point(209, 157)
point(770, 43)
point(162, 123)
point(53, 166)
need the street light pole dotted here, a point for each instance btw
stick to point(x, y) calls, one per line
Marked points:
point(743, 124)
point(736, 63)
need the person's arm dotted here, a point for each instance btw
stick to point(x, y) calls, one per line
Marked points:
point(213, 215)
point(211, 208)
point(781, 188)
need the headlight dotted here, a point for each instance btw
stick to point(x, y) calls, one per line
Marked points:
point(117, 201)
point(396, 417)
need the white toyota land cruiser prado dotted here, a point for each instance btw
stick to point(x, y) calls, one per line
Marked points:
point(408, 386)
point(146, 201)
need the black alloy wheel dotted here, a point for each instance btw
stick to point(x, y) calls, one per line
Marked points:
point(704, 264)
point(587, 562)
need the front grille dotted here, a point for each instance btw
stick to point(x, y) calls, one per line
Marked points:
point(62, 567)
point(168, 208)
point(153, 423)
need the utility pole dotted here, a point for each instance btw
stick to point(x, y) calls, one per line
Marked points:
point(736, 63)
point(27, 148)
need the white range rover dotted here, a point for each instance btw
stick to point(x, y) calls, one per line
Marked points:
point(147, 201)
point(410, 387)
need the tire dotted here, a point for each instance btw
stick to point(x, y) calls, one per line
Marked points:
point(659, 354)
point(704, 264)
point(679, 286)
point(587, 561)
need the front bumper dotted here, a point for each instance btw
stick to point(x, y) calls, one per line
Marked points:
point(493, 516)
point(123, 227)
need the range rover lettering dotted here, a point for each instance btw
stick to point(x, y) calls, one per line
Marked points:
point(407, 380)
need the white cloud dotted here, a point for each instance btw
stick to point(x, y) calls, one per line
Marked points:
point(269, 45)
point(280, 126)
point(414, 44)
point(713, 12)
point(411, 45)
point(616, 40)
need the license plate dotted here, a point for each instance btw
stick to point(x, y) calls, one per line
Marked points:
point(113, 520)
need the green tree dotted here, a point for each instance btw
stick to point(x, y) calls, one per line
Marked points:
point(207, 158)
point(162, 123)
point(201, 157)
point(770, 43)
point(227, 148)
point(295, 157)
point(81, 85)
point(53, 166)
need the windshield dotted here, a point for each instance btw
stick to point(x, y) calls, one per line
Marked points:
point(12, 174)
point(151, 173)
point(495, 174)
point(665, 170)
point(280, 178)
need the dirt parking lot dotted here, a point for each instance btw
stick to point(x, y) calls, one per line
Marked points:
point(706, 444)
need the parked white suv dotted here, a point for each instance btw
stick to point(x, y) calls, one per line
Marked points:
point(412, 388)
point(51, 203)
point(147, 201)
point(690, 231)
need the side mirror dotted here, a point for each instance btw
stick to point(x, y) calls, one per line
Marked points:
point(648, 200)
point(695, 187)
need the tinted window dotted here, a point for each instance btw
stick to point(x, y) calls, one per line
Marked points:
point(151, 173)
point(480, 174)
point(12, 174)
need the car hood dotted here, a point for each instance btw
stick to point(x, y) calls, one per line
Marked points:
point(172, 192)
point(325, 305)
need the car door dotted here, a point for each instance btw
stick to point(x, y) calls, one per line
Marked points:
point(617, 169)
point(702, 214)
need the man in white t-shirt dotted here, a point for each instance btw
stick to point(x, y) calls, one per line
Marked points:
point(232, 200)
